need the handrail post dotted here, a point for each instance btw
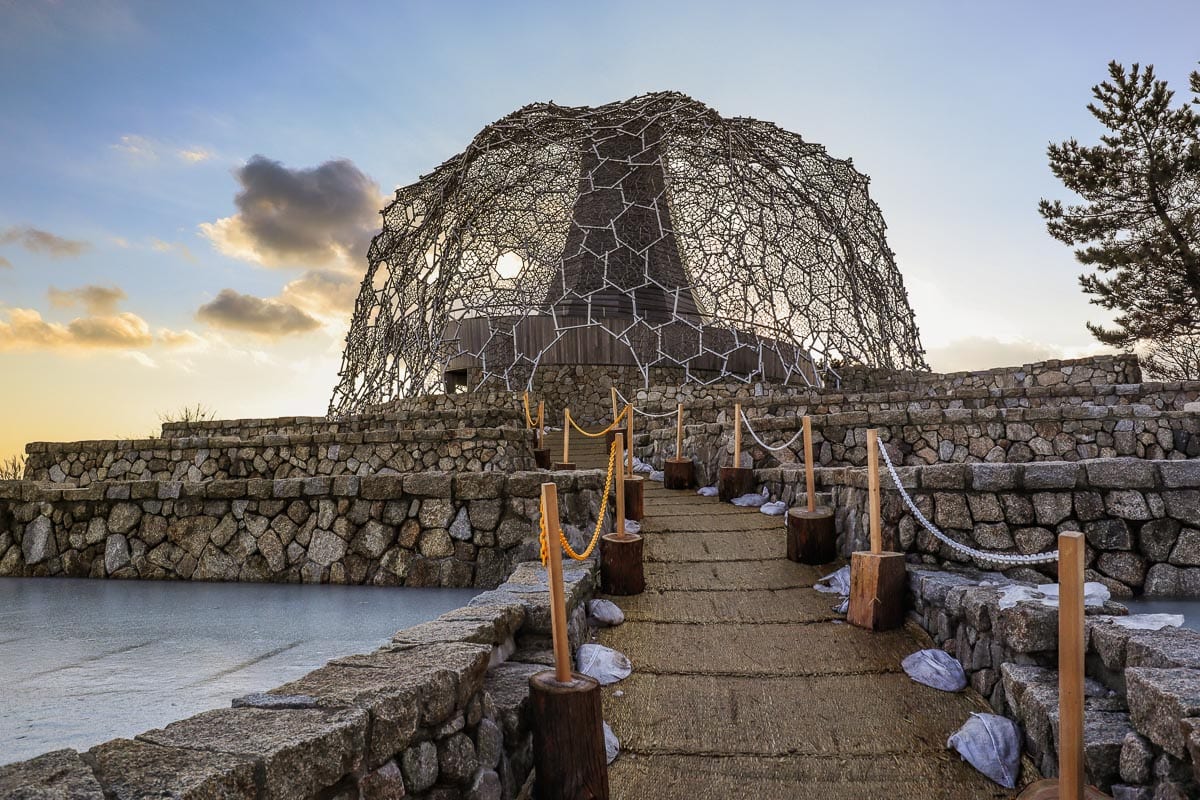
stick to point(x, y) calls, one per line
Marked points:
point(558, 602)
point(612, 395)
point(541, 423)
point(873, 490)
point(877, 579)
point(810, 482)
point(629, 439)
point(564, 708)
point(1070, 665)
point(737, 435)
point(567, 435)
point(525, 404)
point(620, 481)
point(679, 431)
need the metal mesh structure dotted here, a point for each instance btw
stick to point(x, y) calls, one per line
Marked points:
point(651, 232)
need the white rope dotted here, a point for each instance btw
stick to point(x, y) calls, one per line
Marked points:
point(775, 448)
point(636, 410)
point(995, 558)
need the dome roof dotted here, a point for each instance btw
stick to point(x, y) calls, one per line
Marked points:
point(672, 236)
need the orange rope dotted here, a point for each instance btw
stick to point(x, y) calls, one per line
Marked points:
point(543, 537)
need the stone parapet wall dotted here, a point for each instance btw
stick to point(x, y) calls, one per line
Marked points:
point(929, 436)
point(1141, 518)
point(326, 454)
point(1075, 372)
point(1153, 396)
point(1142, 730)
point(441, 713)
point(422, 529)
point(433, 420)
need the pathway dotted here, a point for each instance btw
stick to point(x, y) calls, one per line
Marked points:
point(746, 684)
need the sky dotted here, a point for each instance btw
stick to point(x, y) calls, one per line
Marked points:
point(187, 189)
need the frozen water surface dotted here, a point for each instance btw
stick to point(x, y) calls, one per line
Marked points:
point(85, 661)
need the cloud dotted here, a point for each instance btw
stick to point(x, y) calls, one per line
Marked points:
point(147, 150)
point(193, 155)
point(36, 240)
point(96, 299)
point(981, 352)
point(26, 330)
point(324, 292)
point(137, 147)
point(5, 263)
point(159, 246)
point(319, 216)
point(182, 340)
point(265, 317)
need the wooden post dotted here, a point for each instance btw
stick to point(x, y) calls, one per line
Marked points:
point(737, 435)
point(877, 579)
point(541, 431)
point(541, 453)
point(811, 536)
point(525, 402)
point(621, 570)
point(1071, 781)
point(568, 732)
point(566, 462)
point(619, 524)
point(679, 431)
point(629, 440)
point(810, 483)
point(677, 471)
point(873, 490)
point(612, 395)
point(1070, 664)
point(558, 601)
point(735, 481)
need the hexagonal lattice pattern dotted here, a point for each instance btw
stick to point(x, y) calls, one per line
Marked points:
point(652, 232)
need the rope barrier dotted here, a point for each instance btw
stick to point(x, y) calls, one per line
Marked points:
point(544, 538)
point(611, 426)
point(995, 558)
point(777, 448)
point(643, 413)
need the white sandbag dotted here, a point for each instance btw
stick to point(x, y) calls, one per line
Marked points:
point(992, 745)
point(1094, 594)
point(603, 663)
point(1145, 622)
point(612, 745)
point(835, 582)
point(708, 491)
point(936, 668)
point(633, 526)
point(749, 500)
point(641, 467)
point(605, 613)
point(657, 475)
point(774, 509)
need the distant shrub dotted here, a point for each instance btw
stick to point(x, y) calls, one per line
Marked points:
point(12, 468)
point(196, 413)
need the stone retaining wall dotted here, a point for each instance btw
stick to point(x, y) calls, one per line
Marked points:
point(1092, 370)
point(1142, 719)
point(1141, 518)
point(441, 713)
point(435, 420)
point(1007, 435)
point(421, 529)
point(328, 454)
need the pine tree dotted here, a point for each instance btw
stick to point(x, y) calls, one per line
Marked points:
point(1139, 222)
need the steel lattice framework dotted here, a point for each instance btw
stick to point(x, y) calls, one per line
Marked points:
point(650, 232)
